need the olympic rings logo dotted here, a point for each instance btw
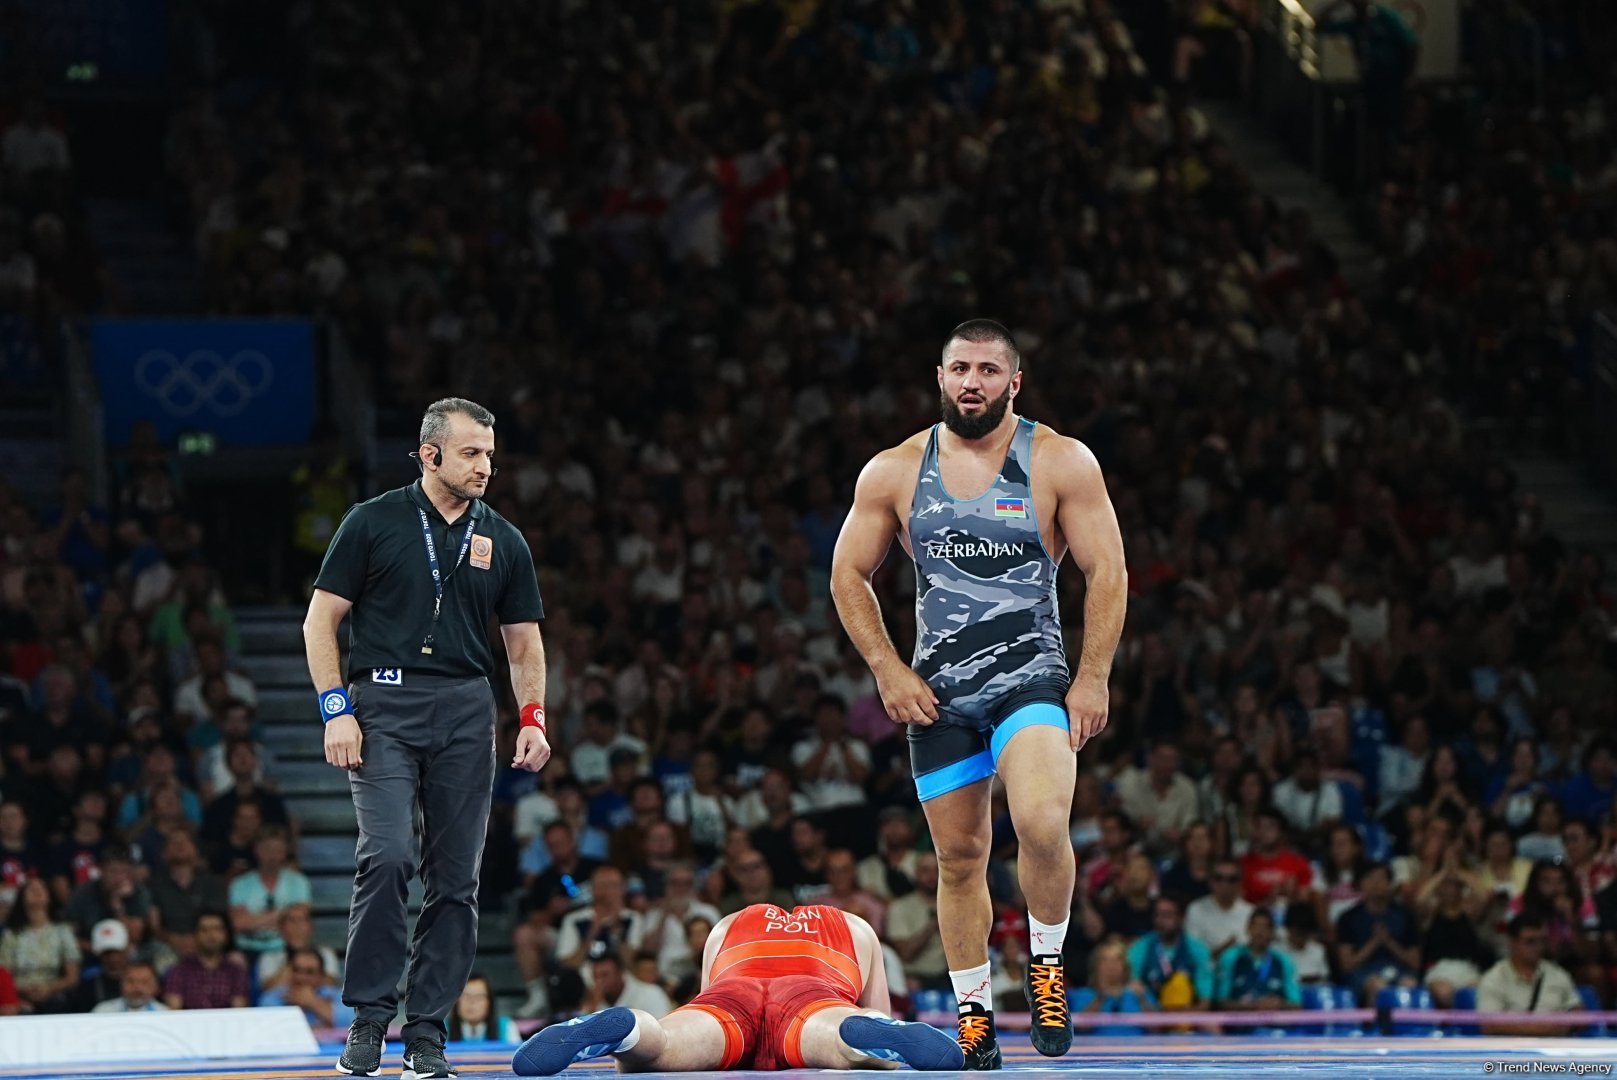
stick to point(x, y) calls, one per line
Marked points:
point(204, 379)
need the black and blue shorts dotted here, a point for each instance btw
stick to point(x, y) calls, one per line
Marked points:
point(957, 749)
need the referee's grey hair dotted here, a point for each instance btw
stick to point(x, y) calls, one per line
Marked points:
point(435, 422)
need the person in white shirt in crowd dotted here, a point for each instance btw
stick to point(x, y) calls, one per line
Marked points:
point(772, 800)
point(1299, 942)
point(702, 808)
point(1526, 982)
point(668, 917)
point(832, 764)
point(612, 985)
point(1219, 920)
point(661, 579)
point(140, 988)
point(591, 759)
point(1369, 611)
point(1160, 800)
point(211, 663)
point(1307, 801)
point(297, 932)
point(536, 809)
point(1478, 566)
point(236, 757)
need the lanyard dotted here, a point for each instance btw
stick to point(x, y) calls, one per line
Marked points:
point(437, 578)
point(1165, 960)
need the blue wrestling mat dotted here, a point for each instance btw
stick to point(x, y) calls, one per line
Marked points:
point(1186, 1058)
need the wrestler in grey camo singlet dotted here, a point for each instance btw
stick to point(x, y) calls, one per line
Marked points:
point(986, 616)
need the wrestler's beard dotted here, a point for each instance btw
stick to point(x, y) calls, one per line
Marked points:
point(975, 425)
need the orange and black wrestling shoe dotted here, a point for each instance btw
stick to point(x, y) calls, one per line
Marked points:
point(1046, 990)
point(978, 1040)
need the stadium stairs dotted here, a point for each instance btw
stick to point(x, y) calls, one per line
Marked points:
point(1277, 175)
point(317, 794)
point(1576, 508)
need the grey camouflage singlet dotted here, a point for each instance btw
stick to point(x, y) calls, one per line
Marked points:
point(986, 616)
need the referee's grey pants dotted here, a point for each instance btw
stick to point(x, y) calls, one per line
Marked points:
point(422, 799)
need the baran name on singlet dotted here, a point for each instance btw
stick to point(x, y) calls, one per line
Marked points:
point(992, 549)
point(791, 922)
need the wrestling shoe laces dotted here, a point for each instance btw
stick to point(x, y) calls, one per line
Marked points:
point(1051, 1030)
point(979, 1044)
point(976, 1030)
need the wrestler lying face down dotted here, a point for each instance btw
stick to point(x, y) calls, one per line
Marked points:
point(781, 989)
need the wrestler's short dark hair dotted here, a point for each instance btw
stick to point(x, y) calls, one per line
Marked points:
point(982, 330)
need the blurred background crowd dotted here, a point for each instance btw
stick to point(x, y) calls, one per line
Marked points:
point(698, 259)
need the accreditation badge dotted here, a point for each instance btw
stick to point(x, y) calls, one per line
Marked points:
point(482, 553)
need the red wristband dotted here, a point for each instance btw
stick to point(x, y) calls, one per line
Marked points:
point(534, 716)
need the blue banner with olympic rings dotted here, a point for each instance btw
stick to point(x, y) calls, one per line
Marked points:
point(250, 382)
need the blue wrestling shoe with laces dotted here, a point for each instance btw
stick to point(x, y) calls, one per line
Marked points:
point(920, 1046)
point(551, 1049)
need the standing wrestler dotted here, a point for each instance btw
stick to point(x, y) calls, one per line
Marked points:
point(987, 503)
point(781, 989)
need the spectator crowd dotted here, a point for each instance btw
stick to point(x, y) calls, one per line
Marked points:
point(698, 260)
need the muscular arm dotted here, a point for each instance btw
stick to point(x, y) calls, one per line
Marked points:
point(1089, 526)
point(326, 612)
point(867, 534)
point(874, 994)
point(710, 951)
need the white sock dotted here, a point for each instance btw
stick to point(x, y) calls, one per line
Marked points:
point(631, 1039)
point(1045, 939)
point(971, 986)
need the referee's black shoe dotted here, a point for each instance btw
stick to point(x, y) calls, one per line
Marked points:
point(424, 1060)
point(978, 1040)
point(1046, 990)
point(363, 1054)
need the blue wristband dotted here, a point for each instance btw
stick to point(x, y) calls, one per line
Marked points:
point(335, 703)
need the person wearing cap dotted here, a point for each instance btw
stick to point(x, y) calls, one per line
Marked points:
point(104, 981)
point(419, 572)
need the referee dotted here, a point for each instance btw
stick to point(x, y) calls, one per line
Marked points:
point(421, 570)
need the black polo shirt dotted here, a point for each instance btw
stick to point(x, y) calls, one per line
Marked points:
point(378, 560)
